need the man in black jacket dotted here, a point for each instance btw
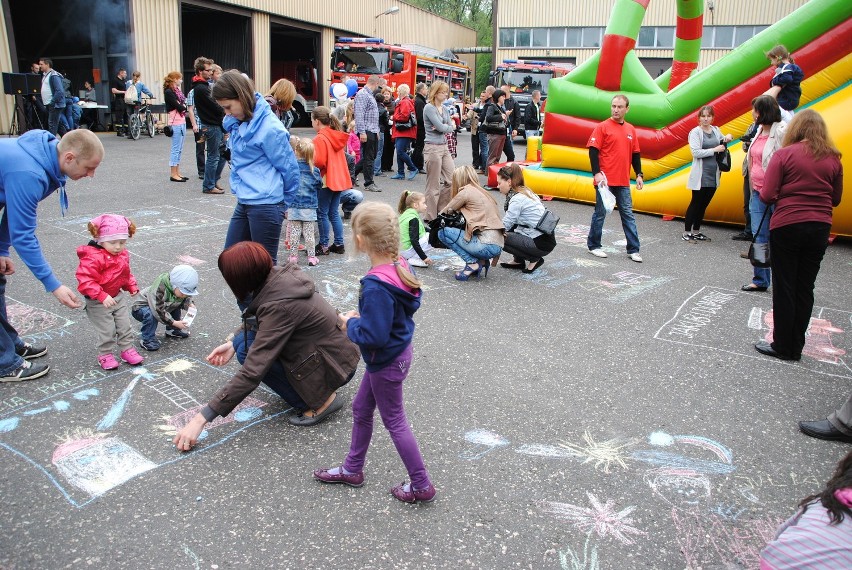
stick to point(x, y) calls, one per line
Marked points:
point(420, 141)
point(512, 113)
point(532, 116)
point(210, 116)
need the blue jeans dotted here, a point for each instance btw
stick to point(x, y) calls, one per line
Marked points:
point(533, 132)
point(470, 251)
point(177, 144)
point(403, 159)
point(350, 198)
point(53, 115)
point(328, 214)
point(9, 339)
point(377, 167)
point(762, 275)
point(149, 322)
point(214, 165)
point(260, 223)
point(483, 148)
point(275, 377)
point(624, 201)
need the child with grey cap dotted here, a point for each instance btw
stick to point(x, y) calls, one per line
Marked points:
point(163, 301)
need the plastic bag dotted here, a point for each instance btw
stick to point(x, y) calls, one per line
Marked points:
point(607, 197)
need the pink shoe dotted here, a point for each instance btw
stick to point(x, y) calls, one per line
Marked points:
point(294, 259)
point(353, 480)
point(108, 362)
point(405, 493)
point(131, 357)
point(312, 261)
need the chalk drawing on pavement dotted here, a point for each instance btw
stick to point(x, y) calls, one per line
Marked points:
point(482, 442)
point(33, 323)
point(601, 518)
point(117, 425)
point(587, 560)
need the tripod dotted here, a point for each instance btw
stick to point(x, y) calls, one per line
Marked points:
point(19, 126)
point(14, 126)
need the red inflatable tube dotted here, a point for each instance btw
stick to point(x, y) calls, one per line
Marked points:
point(820, 53)
point(610, 68)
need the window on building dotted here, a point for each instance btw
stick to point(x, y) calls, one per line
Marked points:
point(522, 37)
point(723, 37)
point(665, 37)
point(507, 37)
point(539, 37)
point(592, 37)
point(557, 37)
point(646, 37)
point(573, 37)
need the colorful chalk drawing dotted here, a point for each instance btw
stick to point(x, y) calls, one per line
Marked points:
point(35, 324)
point(711, 317)
point(601, 518)
point(693, 478)
point(116, 427)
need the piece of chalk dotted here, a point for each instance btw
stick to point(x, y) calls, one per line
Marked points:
point(197, 498)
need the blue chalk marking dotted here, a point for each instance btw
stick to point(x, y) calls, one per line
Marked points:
point(673, 460)
point(248, 413)
point(37, 411)
point(8, 424)
point(61, 405)
point(203, 435)
point(86, 394)
point(117, 409)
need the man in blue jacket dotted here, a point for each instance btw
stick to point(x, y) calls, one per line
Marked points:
point(32, 167)
point(52, 94)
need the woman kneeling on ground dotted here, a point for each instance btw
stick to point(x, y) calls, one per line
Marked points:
point(290, 340)
point(523, 212)
point(482, 238)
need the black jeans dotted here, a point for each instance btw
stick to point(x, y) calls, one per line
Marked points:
point(527, 249)
point(419, 145)
point(796, 253)
point(697, 206)
point(368, 158)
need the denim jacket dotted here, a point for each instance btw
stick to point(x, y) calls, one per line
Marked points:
point(310, 182)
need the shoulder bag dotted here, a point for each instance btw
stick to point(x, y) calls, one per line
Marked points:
point(723, 159)
point(758, 253)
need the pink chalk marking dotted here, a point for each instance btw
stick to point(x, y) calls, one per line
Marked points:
point(181, 419)
point(189, 260)
point(72, 446)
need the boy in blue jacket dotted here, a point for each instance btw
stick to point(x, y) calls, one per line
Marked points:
point(32, 167)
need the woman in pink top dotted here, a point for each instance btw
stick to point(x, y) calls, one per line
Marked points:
point(770, 132)
point(804, 181)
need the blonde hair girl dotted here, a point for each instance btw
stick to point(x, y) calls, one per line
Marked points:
point(302, 212)
point(414, 238)
point(382, 328)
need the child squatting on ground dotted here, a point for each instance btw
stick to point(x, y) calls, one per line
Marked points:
point(414, 238)
point(102, 276)
point(163, 301)
point(382, 328)
point(302, 213)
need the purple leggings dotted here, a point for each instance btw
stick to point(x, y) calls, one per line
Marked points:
point(383, 389)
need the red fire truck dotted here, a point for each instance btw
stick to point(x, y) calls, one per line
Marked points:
point(525, 76)
point(358, 58)
point(303, 74)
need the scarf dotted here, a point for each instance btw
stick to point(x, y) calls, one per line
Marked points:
point(180, 96)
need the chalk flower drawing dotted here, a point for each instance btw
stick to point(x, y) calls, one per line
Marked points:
point(603, 453)
point(569, 560)
point(600, 518)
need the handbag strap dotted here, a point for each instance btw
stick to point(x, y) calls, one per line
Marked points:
point(760, 225)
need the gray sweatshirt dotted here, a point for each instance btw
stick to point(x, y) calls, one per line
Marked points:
point(436, 122)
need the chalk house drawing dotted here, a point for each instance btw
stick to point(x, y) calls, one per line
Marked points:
point(114, 425)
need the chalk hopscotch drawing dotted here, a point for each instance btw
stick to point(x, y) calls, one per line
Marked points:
point(570, 560)
point(114, 424)
point(600, 518)
point(483, 441)
point(34, 323)
point(706, 319)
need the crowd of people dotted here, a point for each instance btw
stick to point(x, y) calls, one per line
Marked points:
point(293, 340)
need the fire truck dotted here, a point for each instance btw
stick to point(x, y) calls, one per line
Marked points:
point(359, 58)
point(303, 74)
point(523, 77)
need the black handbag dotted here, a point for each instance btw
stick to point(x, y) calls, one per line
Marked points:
point(168, 130)
point(758, 253)
point(454, 220)
point(723, 159)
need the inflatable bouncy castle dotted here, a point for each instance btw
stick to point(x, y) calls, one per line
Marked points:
point(663, 110)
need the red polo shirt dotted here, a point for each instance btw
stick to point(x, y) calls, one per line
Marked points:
point(616, 142)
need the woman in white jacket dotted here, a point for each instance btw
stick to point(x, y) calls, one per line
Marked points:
point(705, 141)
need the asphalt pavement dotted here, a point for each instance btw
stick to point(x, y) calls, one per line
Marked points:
point(596, 414)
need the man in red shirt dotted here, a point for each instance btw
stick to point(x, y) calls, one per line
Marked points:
point(613, 147)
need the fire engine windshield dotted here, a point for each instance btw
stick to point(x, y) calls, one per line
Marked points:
point(361, 60)
point(520, 81)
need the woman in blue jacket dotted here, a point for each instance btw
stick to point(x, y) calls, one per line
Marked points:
point(264, 172)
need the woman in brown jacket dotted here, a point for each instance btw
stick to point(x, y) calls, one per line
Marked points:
point(482, 238)
point(290, 340)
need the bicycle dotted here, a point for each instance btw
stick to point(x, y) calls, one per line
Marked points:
point(140, 118)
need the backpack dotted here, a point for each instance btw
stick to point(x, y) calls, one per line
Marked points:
point(130, 94)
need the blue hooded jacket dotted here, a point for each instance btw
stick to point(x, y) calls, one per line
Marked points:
point(310, 183)
point(386, 326)
point(263, 164)
point(29, 173)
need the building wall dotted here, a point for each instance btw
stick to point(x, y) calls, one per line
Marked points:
point(582, 13)
point(7, 104)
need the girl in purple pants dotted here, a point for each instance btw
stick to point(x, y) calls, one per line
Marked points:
point(382, 328)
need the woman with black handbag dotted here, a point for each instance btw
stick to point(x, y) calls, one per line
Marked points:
point(481, 238)
point(804, 181)
point(527, 244)
point(705, 143)
point(404, 133)
point(495, 127)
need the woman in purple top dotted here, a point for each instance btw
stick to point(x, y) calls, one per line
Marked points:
point(804, 180)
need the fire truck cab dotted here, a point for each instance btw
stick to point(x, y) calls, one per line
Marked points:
point(523, 77)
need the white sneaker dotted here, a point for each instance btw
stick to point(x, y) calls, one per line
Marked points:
point(635, 257)
point(417, 262)
point(598, 252)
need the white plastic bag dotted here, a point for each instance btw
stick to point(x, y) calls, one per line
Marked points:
point(607, 197)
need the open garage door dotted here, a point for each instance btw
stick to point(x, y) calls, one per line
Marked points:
point(221, 35)
point(293, 56)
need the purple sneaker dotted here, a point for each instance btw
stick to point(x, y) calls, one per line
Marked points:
point(405, 493)
point(353, 480)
